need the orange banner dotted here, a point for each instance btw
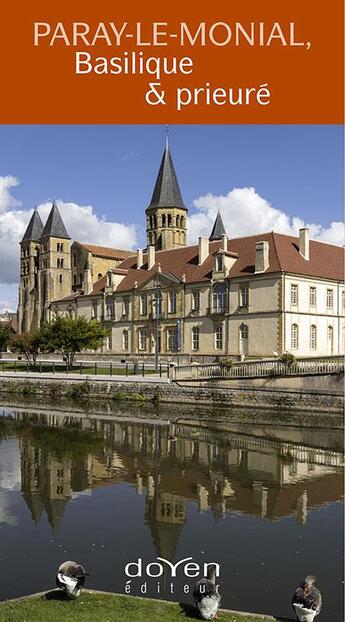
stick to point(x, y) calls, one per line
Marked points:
point(177, 62)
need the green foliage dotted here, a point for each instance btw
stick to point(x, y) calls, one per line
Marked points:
point(288, 359)
point(69, 336)
point(5, 336)
point(79, 391)
point(226, 364)
point(28, 344)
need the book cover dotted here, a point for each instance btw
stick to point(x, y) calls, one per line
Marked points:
point(172, 308)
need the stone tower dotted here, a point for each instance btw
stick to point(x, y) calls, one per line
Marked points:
point(28, 305)
point(166, 216)
point(55, 262)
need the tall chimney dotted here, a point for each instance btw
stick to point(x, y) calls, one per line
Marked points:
point(140, 259)
point(261, 256)
point(203, 249)
point(224, 242)
point(304, 242)
point(150, 257)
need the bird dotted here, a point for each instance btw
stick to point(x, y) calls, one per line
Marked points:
point(206, 597)
point(70, 577)
point(306, 600)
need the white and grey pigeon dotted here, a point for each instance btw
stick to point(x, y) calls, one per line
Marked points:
point(306, 600)
point(206, 597)
point(70, 577)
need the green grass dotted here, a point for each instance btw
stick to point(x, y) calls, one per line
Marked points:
point(105, 608)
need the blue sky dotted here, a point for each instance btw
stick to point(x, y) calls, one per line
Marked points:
point(285, 176)
point(297, 168)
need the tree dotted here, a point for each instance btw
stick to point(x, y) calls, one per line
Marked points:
point(5, 336)
point(28, 344)
point(69, 336)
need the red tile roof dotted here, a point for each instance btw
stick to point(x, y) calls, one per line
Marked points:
point(104, 251)
point(326, 261)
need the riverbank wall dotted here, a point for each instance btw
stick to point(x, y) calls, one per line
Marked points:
point(225, 394)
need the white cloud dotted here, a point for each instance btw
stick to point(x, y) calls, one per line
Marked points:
point(82, 223)
point(245, 212)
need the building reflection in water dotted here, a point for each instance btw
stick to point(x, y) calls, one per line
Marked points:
point(220, 470)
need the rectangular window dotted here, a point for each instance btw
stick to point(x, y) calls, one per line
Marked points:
point(60, 278)
point(294, 294)
point(195, 338)
point(143, 304)
point(343, 300)
point(244, 297)
point(172, 302)
point(142, 338)
point(218, 337)
point(329, 299)
point(110, 342)
point(312, 296)
point(74, 259)
point(196, 301)
point(171, 339)
point(125, 340)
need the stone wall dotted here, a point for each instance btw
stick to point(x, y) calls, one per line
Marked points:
point(141, 391)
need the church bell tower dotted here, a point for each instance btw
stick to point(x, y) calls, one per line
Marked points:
point(166, 216)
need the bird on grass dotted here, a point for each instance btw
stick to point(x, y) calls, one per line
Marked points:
point(206, 597)
point(70, 577)
point(306, 600)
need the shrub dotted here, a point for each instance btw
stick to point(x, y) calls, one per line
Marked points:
point(288, 359)
point(226, 364)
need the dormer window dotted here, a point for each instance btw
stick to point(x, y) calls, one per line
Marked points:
point(219, 263)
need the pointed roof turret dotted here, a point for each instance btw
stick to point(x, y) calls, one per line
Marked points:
point(218, 228)
point(34, 229)
point(54, 227)
point(167, 192)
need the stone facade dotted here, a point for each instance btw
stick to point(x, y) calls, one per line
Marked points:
point(255, 296)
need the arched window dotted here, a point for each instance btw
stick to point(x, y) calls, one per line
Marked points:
point(163, 220)
point(312, 337)
point(177, 221)
point(169, 220)
point(219, 298)
point(61, 248)
point(218, 337)
point(243, 339)
point(195, 338)
point(61, 263)
point(330, 340)
point(294, 337)
point(125, 339)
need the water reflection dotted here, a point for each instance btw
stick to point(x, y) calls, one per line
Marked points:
point(55, 460)
point(62, 457)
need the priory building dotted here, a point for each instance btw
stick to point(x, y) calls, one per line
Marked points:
point(259, 295)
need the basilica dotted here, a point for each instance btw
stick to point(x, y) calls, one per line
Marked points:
point(255, 296)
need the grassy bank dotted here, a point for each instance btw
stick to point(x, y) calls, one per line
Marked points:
point(93, 606)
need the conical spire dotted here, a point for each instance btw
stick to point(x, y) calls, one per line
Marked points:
point(167, 192)
point(218, 228)
point(54, 227)
point(34, 229)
